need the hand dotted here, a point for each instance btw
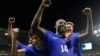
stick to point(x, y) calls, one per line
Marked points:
point(46, 3)
point(16, 30)
point(11, 20)
point(87, 11)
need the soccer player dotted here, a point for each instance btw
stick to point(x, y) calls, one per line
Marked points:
point(36, 47)
point(73, 38)
point(56, 43)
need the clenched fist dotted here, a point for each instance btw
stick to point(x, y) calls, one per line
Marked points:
point(46, 3)
point(87, 11)
point(11, 20)
point(16, 30)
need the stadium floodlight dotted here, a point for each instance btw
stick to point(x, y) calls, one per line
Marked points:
point(95, 31)
point(99, 30)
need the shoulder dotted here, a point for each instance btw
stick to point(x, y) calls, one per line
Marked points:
point(47, 32)
point(30, 48)
point(76, 34)
point(51, 35)
point(20, 45)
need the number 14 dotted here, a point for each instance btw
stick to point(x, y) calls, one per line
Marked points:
point(64, 48)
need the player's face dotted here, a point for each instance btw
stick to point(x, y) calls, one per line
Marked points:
point(35, 39)
point(69, 28)
point(61, 26)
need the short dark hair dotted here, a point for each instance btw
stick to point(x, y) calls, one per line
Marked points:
point(60, 20)
point(31, 33)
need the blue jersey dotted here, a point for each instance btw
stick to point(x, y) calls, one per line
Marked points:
point(73, 45)
point(31, 50)
point(20, 45)
point(56, 44)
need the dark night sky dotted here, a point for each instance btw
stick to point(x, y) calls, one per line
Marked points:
point(70, 10)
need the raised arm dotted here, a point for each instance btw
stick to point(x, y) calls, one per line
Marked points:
point(12, 36)
point(11, 20)
point(37, 18)
point(89, 28)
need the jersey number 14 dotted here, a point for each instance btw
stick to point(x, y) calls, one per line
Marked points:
point(64, 48)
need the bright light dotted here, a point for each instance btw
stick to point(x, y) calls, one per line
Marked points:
point(98, 30)
point(95, 31)
point(97, 35)
point(6, 34)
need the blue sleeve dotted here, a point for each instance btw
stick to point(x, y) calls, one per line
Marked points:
point(20, 46)
point(76, 38)
point(76, 35)
point(77, 45)
point(29, 49)
point(48, 35)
